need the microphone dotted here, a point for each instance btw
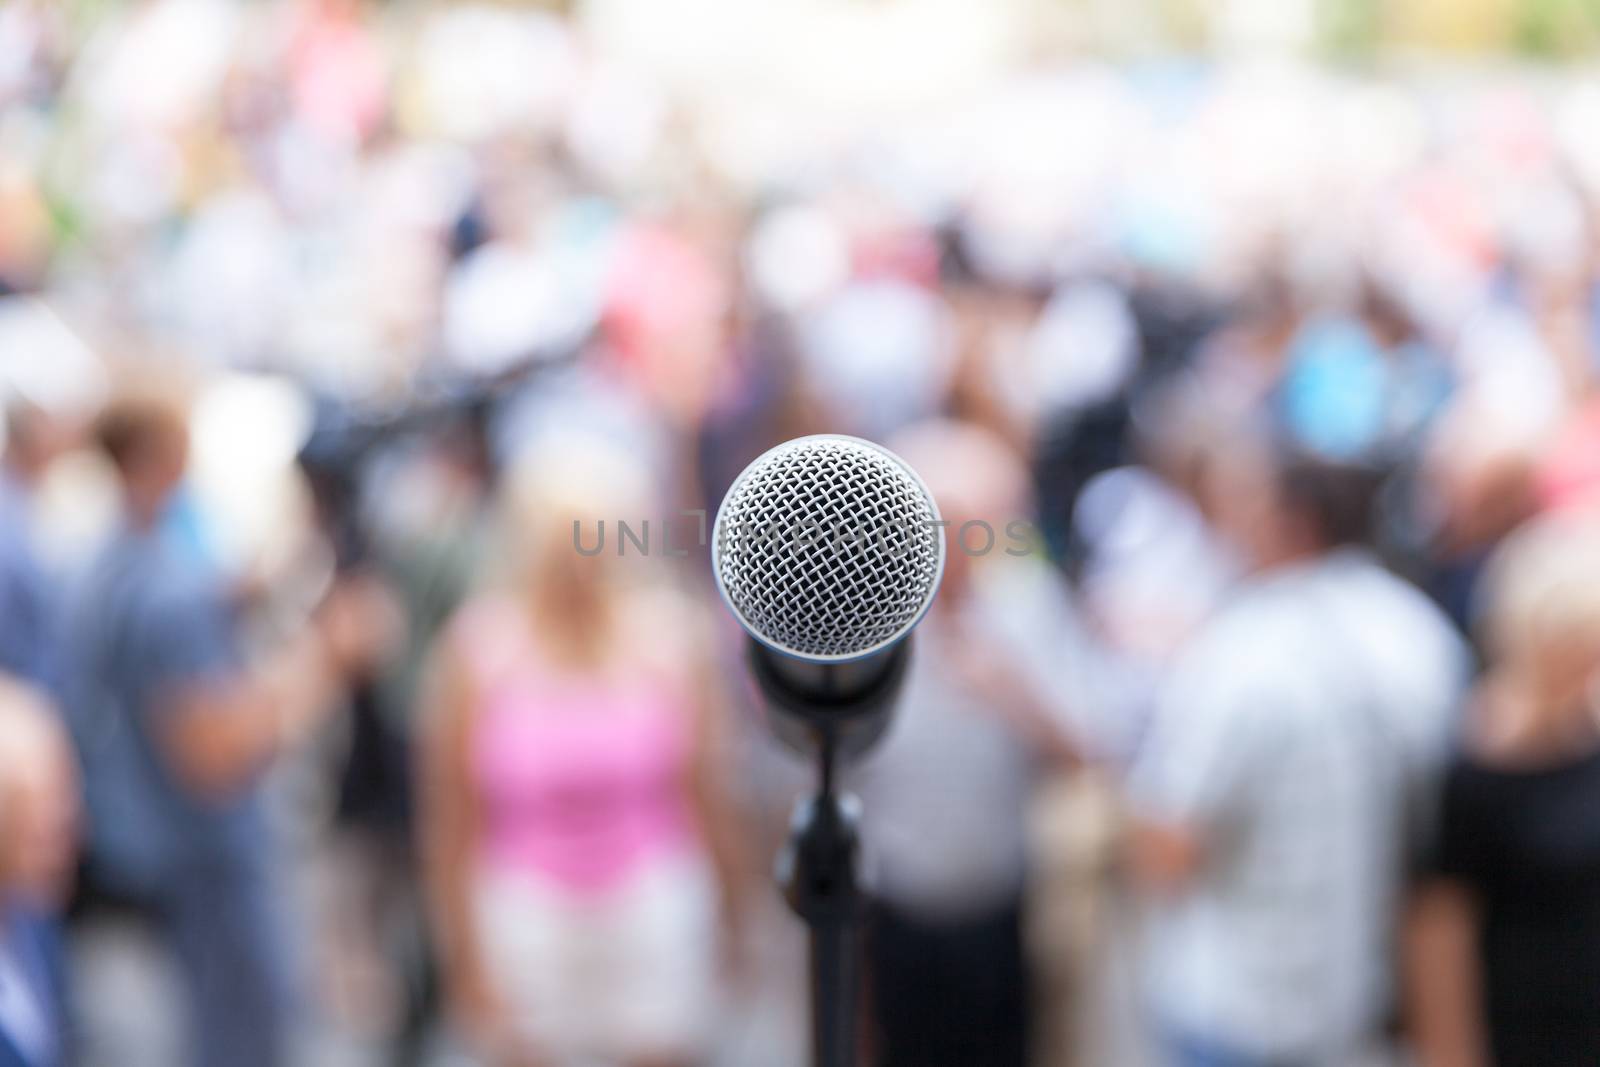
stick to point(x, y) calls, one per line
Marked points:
point(828, 550)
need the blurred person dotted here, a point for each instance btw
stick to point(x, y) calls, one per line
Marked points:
point(1082, 440)
point(880, 353)
point(1360, 382)
point(38, 846)
point(669, 297)
point(177, 726)
point(1273, 801)
point(765, 400)
point(946, 796)
point(1480, 480)
point(1153, 571)
point(27, 243)
point(1362, 385)
point(336, 68)
point(1504, 941)
point(1568, 474)
point(572, 813)
point(29, 603)
point(1420, 379)
point(1243, 359)
point(423, 534)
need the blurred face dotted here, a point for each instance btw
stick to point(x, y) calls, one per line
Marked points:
point(35, 440)
point(170, 457)
point(957, 563)
point(557, 572)
point(564, 542)
point(1239, 495)
point(157, 468)
point(981, 489)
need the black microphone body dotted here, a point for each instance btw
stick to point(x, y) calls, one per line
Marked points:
point(845, 706)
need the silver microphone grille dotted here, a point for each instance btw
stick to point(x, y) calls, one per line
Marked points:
point(827, 547)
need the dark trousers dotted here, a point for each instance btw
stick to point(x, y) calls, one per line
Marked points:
point(948, 994)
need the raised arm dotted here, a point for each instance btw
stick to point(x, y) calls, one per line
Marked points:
point(221, 723)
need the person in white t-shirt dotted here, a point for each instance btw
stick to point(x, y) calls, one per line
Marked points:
point(989, 696)
point(1289, 760)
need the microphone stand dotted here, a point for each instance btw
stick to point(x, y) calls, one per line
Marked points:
point(818, 874)
point(837, 712)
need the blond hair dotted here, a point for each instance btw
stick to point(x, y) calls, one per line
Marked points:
point(1541, 585)
point(583, 480)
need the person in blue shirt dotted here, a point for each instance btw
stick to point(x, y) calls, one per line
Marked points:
point(38, 849)
point(29, 606)
point(177, 727)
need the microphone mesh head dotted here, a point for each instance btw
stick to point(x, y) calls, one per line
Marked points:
point(826, 548)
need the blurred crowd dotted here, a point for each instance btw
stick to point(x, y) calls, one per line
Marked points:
point(331, 331)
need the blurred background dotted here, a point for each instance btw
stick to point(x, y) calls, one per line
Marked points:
point(324, 322)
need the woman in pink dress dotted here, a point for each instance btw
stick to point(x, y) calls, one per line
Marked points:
point(571, 798)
